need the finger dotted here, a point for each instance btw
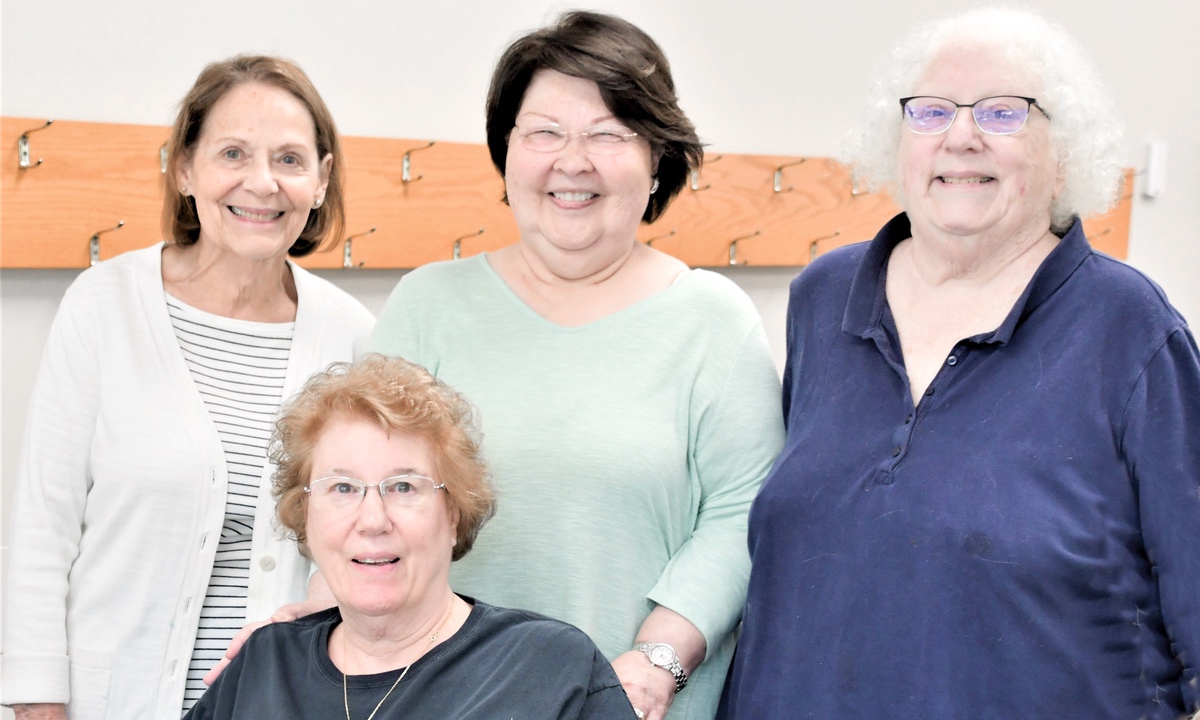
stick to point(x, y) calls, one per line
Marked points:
point(212, 675)
point(235, 646)
point(284, 614)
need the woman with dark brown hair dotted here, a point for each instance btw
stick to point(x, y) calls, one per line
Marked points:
point(625, 398)
point(142, 534)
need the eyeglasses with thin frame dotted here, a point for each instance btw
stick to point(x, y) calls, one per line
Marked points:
point(341, 493)
point(551, 137)
point(999, 115)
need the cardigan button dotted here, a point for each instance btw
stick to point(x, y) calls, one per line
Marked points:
point(267, 563)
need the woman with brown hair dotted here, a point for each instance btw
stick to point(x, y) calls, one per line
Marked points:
point(381, 475)
point(142, 534)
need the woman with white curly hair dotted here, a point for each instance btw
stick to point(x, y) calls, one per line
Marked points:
point(989, 499)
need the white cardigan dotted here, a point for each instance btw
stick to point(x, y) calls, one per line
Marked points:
point(121, 496)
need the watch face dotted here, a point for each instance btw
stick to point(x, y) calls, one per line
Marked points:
point(662, 655)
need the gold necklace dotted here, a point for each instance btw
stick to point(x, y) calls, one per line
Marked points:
point(345, 658)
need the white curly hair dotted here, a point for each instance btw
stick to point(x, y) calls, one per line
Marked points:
point(1085, 133)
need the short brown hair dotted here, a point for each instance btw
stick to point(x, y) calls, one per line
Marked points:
point(634, 80)
point(399, 396)
point(180, 224)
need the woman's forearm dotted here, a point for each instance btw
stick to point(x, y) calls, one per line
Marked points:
point(664, 625)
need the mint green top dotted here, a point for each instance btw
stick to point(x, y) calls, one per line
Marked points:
point(626, 451)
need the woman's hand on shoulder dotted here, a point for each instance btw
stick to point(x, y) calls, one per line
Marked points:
point(40, 711)
point(650, 689)
point(286, 613)
point(235, 646)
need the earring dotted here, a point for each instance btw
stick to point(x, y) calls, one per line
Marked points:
point(183, 190)
point(654, 186)
point(318, 204)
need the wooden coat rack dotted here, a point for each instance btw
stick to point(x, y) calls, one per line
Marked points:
point(72, 191)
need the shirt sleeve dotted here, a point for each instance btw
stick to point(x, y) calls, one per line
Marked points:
point(394, 333)
point(47, 518)
point(736, 441)
point(1161, 443)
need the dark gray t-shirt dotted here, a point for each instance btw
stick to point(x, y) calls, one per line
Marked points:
point(501, 664)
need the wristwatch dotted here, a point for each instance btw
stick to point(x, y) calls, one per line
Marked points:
point(663, 655)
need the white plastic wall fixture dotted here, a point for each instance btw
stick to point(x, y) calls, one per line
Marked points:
point(1156, 169)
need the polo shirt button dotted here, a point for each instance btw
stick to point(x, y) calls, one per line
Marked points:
point(896, 451)
point(908, 419)
point(928, 391)
point(267, 563)
point(952, 361)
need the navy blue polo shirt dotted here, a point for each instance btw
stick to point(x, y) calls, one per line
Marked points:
point(1023, 543)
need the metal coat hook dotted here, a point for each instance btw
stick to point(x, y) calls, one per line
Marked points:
point(695, 176)
point(348, 251)
point(733, 261)
point(162, 158)
point(457, 252)
point(651, 241)
point(777, 184)
point(94, 242)
point(812, 247)
point(406, 163)
point(23, 147)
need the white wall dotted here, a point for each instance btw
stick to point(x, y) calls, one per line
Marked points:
point(755, 77)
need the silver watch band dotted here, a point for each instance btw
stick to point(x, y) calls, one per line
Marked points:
point(663, 655)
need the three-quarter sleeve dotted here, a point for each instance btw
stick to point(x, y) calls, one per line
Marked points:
point(47, 518)
point(1161, 444)
point(736, 439)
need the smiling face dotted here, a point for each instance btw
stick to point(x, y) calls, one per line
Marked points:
point(254, 172)
point(572, 201)
point(965, 182)
point(379, 560)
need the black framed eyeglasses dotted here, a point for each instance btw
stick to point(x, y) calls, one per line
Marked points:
point(999, 115)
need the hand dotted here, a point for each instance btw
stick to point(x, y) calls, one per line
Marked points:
point(286, 613)
point(650, 689)
point(235, 646)
point(40, 711)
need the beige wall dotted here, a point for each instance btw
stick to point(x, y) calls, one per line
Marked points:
point(756, 77)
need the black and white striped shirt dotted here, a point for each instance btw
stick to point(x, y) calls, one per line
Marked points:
point(238, 367)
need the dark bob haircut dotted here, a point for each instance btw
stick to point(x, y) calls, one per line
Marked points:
point(634, 80)
point(180, 224)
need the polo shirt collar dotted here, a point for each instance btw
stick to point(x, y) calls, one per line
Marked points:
point(868, 300)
